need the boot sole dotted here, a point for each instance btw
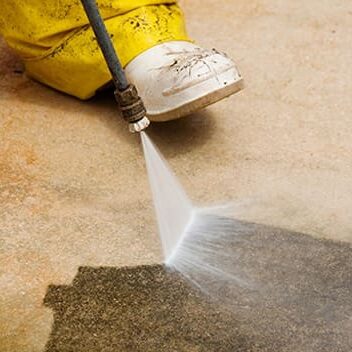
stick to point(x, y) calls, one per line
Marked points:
point(198, 103)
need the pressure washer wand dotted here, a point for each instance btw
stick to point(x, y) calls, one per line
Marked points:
point(130, 103)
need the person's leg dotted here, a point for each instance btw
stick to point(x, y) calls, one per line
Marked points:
point(173, 76)
point(59, 48)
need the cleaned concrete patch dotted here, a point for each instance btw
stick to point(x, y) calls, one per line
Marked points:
point(145, 308)
point(302, 301)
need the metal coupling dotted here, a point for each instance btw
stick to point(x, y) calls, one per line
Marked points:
point(132, 108)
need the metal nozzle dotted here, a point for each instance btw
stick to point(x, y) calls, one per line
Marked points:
point(140, 125)
point(132, 108)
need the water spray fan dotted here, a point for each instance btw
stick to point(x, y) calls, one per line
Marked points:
point(130, 103)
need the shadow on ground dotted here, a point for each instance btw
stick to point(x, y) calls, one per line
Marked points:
point(176, 136)
point(302, 302)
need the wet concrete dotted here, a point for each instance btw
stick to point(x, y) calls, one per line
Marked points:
point(301, 301)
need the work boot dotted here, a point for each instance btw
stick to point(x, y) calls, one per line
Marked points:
point(177, 78)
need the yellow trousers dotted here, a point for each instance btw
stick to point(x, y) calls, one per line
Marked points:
point(59, 48)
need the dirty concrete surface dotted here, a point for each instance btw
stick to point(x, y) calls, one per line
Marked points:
point(73, 187)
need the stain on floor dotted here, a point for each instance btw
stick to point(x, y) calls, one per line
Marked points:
point(303, 302)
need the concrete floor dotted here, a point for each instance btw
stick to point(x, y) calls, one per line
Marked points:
point(281, 150)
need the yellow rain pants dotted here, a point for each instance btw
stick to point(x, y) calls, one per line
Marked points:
point(59, 48)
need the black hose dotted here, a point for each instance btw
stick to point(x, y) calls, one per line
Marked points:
point(105, 44)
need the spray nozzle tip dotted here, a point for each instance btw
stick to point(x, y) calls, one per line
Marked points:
point(139, 125)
